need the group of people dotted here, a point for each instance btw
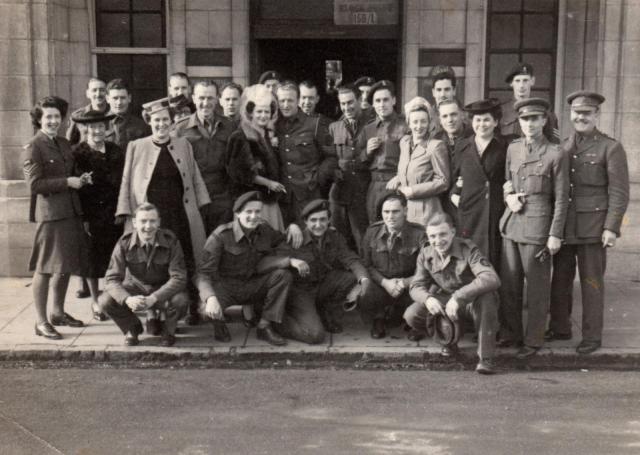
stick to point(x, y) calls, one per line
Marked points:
point(224, 196)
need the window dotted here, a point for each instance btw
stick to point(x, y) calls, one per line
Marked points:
point(521, 31)
point(130, 23)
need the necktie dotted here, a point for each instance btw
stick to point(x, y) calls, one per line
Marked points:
point(207, 126)
point(353, 127)
point(391, 240)
point(147, 249)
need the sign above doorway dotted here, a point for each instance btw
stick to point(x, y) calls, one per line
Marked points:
point(365, 12)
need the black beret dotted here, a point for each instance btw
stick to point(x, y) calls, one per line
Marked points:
point(519, 68)
point(239, 203)
point(388, 194)
point(448, 332)
point(532, 106)
point(381, 85)
point(585, 98)
point(91, 117)
point(268, 75)
point(482, 106)
point(364, 80)
point(317, 205)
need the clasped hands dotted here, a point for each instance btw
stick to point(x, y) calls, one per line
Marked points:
point(434, 306)
point(394, 286)
point(141, 302)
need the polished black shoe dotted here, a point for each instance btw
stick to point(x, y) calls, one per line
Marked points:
point(449, 351)
point(486, 366)
point(378, 330)
point(416, 335)
point(154, 326)
point(270, 336)
point(587, 347)
point(97, 314)
point(551, 335)
point(131, 337)
point(67, 320)
point(220, 331)
point(526, 352)
point(192, 319)
point(46, 330)
point(167, 340)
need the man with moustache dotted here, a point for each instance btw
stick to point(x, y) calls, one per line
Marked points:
point(348, 195)
point(389, 250)
point(598, 199)
point(125, 127)
point(379, 143)
point(230, 102)
point(96, 93)
point(454, 280)
point(536, 192)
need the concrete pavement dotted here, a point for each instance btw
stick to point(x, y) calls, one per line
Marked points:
point(102, 341)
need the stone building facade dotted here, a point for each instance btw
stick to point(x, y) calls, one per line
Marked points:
point(54, 46)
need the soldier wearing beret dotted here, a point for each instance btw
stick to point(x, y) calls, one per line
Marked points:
point(537, 195)
point(379, 143)
point(521, 80)
point(363, 86)
point(271, 79)
point(334, 271)
point(348, 195)
point(453, 278)
point(228, 273)
point(389, 250)
point(96, 93)
point(598, 199)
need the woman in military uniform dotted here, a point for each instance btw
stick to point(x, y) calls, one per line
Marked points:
point(59, 247)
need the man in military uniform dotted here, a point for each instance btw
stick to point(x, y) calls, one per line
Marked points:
point(453, 278)
point(522, 80)
point(379, 143)
point(537, 196)
point(334, 271)
point(306, 152)
point(389, 250)
point(348, 195)
point(271, 79)
point(208, 134)
point(363, 86)
point(146, 272)
point(230, 102)
point(125, 127)
point(228, 273)
point(96, 93)
point(598, 199)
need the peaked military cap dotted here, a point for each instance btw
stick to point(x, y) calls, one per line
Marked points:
point(532, 106)
point(447, 332)
point(381, 85)
point(519, 68)
point(249, 196)
point(364, 80)
point(158, 105)
point(268, 75)
point(92, 116)
point(482, 106)
point(317, 205)
point(585, 98)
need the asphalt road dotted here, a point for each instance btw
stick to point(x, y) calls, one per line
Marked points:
point(111, 411)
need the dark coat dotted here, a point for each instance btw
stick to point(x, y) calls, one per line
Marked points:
point(481, 194)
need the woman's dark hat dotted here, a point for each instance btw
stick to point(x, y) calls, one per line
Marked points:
point(482, 106)
point(92, 117)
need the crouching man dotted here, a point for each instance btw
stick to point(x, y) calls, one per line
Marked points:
point(454, 279)
point(146, 272)
point(228, 273)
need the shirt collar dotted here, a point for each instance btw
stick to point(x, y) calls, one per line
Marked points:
point(239, 232)
point(160, 240)
point(389, 119)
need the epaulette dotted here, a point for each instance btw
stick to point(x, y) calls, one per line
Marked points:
point(223, 227)
point(415, 225)
point(517, 139)
point(126, 236)
point(168, 233)
point(376, 223)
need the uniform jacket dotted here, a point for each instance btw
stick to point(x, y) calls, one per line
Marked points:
point(390, 131)
point(307, 157)
point(76, 133)
point(162, 272)
point(46, 166)
point(209, 150)
point(426, 170)
point(465, 274)
point(140, 161)
point(397, 262)
point(599, 193)
point(510, 125)
point(543, 175)
point(479, 183)
point(333, 254)
point(126, 128)
point(230, 254)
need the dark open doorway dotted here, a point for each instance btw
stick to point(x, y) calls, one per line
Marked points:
point(300, 59)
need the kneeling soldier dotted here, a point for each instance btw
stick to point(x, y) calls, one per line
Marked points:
point(389, 250)
point(454, 279)
point(147, 272)
point(228, 275)
point(334, 271)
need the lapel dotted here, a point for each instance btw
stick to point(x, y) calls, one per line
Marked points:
point(586, 144)
point(539, 149)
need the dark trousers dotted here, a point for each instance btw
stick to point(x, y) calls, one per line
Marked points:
point(216, 213)
point(592, 262)
point(268, 291)
point(377, 190)
point(376, 303)
point(349, 210)
point(301, 320)
point(126, 319)
point(517, 264)
point(483, 311)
